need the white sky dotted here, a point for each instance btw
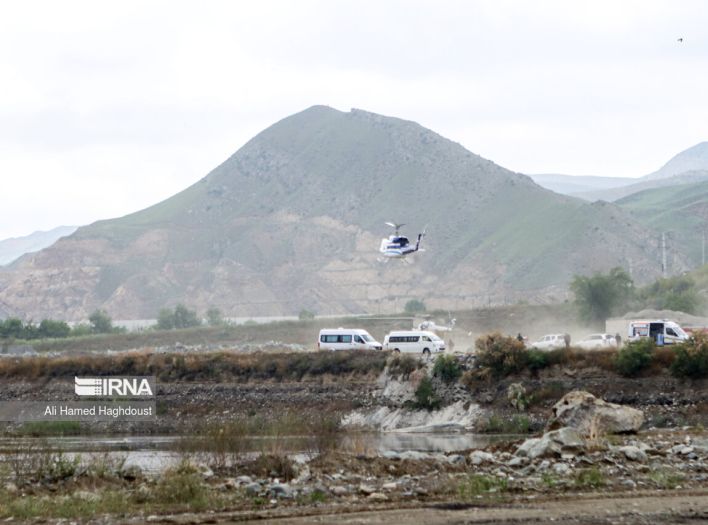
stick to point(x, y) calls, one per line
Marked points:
point(108, 107)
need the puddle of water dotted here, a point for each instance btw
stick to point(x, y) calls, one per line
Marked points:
point(154, 454)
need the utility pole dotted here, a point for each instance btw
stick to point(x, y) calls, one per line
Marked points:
point(703, 256)
point(663, 254)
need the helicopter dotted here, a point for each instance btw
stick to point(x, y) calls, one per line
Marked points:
point(397, 246)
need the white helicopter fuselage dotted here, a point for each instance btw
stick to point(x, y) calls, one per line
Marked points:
point(393, 248)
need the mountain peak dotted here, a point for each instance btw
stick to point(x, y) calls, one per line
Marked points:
point(694, 158)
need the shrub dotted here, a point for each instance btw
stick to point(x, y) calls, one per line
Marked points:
point(447, 368)
point(274, 466)
point(635, 357)
point(101, 322)
point(537, 359)
point(590, 478)
point(425, 397)
point(503, 355)
point(306, 315)
point(414, 306)
point(691, 358)
point(403, 365)
point(181, 484)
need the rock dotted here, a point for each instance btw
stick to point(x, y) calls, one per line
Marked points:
point(390, 486)
point(518, 461)
point(338, 490)
point(414, 455)
point(131, 473)
point(230, 484)
point(456, 459)
point(682, 450)
point(593, 417)
point(279, 490)
point(10, 487)
point(554, 443)
point(366, 489)
point(629, 483)
point(633, 453)
point(244, 480)
point(479, 457)
point(562, 469)
point(377, 496)
point(253, 489)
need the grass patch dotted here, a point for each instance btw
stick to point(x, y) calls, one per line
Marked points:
point(476, 485)
point(665, 479)
point(517, 424)
point(590, 478)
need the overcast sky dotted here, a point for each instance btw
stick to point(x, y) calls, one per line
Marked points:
point(108, 107)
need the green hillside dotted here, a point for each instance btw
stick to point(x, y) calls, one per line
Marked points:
point(681, 210)
point(294, 218)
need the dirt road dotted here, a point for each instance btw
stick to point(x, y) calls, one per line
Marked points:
point(649, 508)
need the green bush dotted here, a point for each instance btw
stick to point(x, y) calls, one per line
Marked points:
point(503, 355)
point(447, 368)
point(691, 358)
point(537, 359)
point(635, 357)
point(425, 397)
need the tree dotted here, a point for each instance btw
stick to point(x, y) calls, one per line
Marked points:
point(306, 315)
point(414, 306)
point(600, 296)
point(675, 293)
point(214, 317)
point(12, 328)
point(180, 317)
point(51, 328)
point(165, 319)
point(101, 322)
point(184, 317)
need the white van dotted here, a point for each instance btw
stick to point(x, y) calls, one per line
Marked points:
point(662, 331)
point(346, 339)
point(414, 341)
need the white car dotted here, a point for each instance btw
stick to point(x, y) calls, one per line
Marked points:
point(597, 342)
point(550, 342)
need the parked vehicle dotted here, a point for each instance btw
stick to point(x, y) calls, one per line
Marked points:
point(346, 339)
point(414, 342)
point(597, 342)
point(550, 342)
point(663, 331)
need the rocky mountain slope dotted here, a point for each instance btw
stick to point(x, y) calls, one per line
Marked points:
point(681, 211)
point(294, 218)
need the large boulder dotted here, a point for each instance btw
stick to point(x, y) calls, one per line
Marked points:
point(593, 417)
